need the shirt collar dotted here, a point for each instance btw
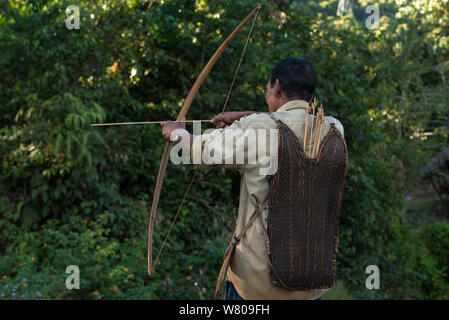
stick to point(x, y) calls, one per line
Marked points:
point(294, 104)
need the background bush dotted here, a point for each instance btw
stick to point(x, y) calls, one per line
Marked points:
point(71, 194)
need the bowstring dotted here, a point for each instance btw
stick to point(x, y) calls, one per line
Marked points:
point(174, 220)
point(224, 108)
point(240, 62)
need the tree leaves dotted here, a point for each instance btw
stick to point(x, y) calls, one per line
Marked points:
point(67, 188)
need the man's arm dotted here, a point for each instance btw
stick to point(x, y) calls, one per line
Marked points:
point(234, 148)
point(221, 120)
point(225, 119)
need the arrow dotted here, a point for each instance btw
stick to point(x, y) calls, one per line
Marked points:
point(140, 123)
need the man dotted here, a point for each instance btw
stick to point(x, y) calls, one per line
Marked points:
point(288, 91)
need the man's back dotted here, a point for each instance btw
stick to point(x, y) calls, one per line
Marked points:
point(250, 267)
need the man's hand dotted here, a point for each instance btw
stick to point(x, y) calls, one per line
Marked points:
point(169, 126)
point(227, 118)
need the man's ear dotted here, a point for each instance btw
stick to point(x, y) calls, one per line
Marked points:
point(277, 88)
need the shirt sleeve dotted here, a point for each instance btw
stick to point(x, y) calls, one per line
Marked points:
point(239, 145)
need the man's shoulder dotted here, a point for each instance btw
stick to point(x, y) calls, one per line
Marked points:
point(336, 122)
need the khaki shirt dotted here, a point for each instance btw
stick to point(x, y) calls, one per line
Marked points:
point(250, 265)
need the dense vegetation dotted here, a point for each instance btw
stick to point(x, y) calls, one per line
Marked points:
point(74, 195)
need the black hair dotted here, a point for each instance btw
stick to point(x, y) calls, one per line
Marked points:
point(297, 78)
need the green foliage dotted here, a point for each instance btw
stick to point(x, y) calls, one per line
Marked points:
point(411, 270)
point(338, 292)
point(436, 239)
point(73, 194)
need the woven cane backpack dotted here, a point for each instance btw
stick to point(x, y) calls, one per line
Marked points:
point(304, 207)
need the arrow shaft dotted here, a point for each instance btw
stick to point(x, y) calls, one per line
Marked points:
point(139, 123)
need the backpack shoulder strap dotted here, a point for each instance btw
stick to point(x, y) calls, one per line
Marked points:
point(232, 244)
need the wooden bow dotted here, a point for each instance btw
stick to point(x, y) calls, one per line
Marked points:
point(182, 113)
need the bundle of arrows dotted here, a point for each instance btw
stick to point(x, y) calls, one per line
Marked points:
point(317, 123)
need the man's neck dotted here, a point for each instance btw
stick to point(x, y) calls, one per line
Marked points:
point(284, 100)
